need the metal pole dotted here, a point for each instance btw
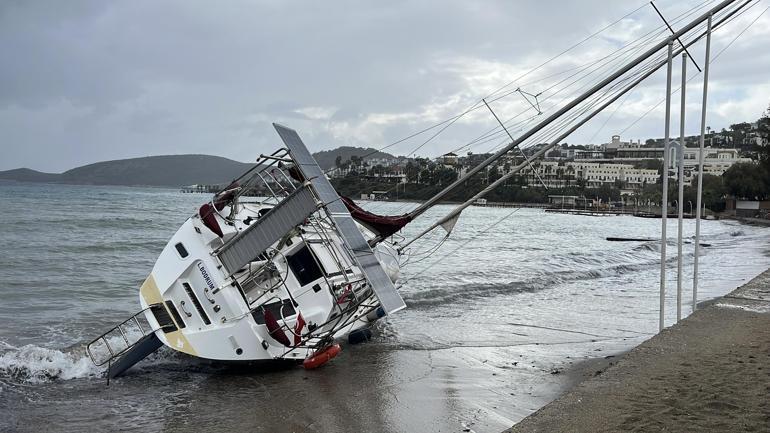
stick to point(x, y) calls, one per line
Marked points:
point(569, 106)
point(700, 167)
point(680, 201)
point(664, 201)
point(546, 149)
point(456, 211)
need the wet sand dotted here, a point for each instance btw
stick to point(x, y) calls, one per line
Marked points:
point(369, 388)
point(710, 372)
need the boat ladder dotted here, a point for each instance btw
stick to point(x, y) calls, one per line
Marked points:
point(123, 332)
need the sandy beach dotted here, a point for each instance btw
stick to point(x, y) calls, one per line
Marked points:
point(710, 372)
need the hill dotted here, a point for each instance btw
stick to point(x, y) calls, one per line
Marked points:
point(168, 170)
point(28, 175)
point(326, 158)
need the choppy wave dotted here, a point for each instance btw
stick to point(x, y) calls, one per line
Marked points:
point(465, 292)
point(35, 364)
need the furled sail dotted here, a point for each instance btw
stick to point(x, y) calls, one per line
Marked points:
point(384, 226)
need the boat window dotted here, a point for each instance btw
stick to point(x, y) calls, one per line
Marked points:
point(329, 262)
point(304, 266)
point(181, 250)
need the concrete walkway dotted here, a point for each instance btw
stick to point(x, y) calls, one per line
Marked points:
point(710, 372)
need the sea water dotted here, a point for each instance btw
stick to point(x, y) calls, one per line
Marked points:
point(496, 312)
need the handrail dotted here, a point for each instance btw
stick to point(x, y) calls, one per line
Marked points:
point(119, 327)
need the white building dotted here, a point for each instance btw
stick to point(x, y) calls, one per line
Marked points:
point(716, 161)
point(557, 175)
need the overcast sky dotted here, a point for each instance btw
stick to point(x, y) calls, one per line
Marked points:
point(82, 82)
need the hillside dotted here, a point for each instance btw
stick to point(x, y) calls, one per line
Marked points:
point(28, 175)
point(167, 170)
point(326, 158)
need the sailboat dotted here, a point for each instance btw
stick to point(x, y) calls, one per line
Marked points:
point(278, 266)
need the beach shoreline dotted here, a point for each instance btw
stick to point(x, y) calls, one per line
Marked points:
point(706, 373)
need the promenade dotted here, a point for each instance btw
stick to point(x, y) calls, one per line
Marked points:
point(709, 372)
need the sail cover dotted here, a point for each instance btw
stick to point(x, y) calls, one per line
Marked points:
point(382, 225)
point(346, 227)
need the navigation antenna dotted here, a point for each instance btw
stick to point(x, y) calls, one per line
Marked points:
point(527, 96)
point(513, 140)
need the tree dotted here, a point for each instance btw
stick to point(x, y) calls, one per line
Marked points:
point(763, 128)
point(494, 174)
point(747, 180)
point(412, 171)
point(739, 133)
point(714, 192)
point(338, 161)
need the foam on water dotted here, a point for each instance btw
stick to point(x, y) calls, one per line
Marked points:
point(35, 364)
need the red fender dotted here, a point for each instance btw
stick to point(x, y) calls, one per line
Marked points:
point(298, 329)
point(206, 213)
point(226, 196)
point(322, 357)
point(275, 329)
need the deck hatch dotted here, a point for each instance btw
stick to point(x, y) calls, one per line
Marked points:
point(197, 303)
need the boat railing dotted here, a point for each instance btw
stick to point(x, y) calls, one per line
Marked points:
point(123, 330)
point(268, 177)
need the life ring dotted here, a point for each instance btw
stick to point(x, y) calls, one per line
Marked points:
point(322, 357)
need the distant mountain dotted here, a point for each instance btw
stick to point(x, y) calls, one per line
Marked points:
point(168, 170)
point(28, 175)
point(326, 158)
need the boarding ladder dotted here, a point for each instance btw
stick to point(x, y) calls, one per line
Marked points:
point(125, 343)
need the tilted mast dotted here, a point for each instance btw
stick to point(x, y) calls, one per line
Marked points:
point(572, 104)
point(449, 220)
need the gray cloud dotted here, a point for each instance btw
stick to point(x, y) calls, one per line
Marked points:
point(87, 81)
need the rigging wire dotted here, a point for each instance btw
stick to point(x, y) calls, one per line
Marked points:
point(453, 119)
point(651, 35)
point(653, 107)
point(585, 109)
point(607, 62)
point(653, 61)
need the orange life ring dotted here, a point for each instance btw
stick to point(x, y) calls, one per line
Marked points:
point(322, 357)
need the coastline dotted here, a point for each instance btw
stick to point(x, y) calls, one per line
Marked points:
point(709, 372)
